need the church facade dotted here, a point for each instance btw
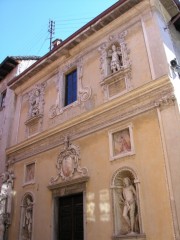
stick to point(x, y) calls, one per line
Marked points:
point(94, 149)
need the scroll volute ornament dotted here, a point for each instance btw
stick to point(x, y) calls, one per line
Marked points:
point(68, 163)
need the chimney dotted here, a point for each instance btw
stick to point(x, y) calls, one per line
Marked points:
point(56, 42)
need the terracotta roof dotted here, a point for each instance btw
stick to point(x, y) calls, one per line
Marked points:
point(25, 57)
point(10, 62)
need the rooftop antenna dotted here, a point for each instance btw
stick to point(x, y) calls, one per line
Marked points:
point(51, 31)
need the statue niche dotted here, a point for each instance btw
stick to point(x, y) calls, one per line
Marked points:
point(126, 204)
point(27, 217)
point(36, 108)
point(115, 62)
point(5, 201)
point(36, 101)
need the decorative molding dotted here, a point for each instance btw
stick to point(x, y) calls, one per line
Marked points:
point(29, 173)
point(103, 50)
point(10, 163)
point(34, 125)
point(121, 142)
point(165, 101)
point(121, 77)
point(137, 237)
point(69, 187)
point(36, 110)
point(119, 109)
point(83, 93)
point(36, 101)
point(68, 163)
point(118, 68)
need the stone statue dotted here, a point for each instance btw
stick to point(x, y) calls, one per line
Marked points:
point(6, 192)
point(27, 220)
point(34, 100)
point(2, 228)
point(128, 198)
point(5, 200)
point(116, 58)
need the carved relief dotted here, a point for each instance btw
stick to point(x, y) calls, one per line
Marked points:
point(115, 64)
point(36, 109)
point(115, 54)
point(27, 217)
point(68, 163)
point(125, 191)
point(83, 93)
point(165, 101)
point(130, 109)
point(29, 172)
point(34, 125)
point(36, 101)
point(10, 164)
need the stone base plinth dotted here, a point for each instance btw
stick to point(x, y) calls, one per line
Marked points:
point(126, 237)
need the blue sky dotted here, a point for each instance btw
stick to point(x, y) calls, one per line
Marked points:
point(24, 23)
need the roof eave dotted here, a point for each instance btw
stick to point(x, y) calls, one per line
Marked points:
point(83, 33)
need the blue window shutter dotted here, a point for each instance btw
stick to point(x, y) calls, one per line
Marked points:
point(71, 88)
point(74, 86)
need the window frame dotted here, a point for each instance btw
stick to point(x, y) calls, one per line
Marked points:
point(2, 99)
point(31, 181)
point(70, 87)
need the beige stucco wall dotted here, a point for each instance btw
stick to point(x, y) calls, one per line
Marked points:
point(137, 45)
point(147, 162)
point(148, 65)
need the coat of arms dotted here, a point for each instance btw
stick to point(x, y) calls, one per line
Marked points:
point(68, 162)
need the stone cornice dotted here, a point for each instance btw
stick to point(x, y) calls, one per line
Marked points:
point(80, 35)
point(68, 183)
point(130, 104)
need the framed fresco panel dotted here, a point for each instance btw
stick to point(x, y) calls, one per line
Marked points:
point(29, 173)
point(121, 142)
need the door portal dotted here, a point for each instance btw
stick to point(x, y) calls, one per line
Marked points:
point(71, 217)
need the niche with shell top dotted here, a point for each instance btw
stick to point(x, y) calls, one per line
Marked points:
point(126, 205)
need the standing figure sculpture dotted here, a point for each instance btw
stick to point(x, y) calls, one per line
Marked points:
point(2, 228)
point(129, 201)
point(27, 222)
point(116, 59)
point(34, 102)
point(5, 201)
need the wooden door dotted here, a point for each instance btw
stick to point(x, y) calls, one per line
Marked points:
point(71, 217)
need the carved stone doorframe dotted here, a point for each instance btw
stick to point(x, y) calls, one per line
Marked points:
point(67, 188)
